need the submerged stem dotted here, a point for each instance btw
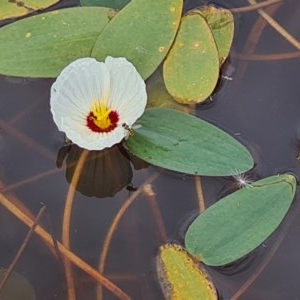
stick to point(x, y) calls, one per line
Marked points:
point(67, 220)
point(199, 191)
point(113, 227)
point(41, 232)
point(21, 249)
point(277, 27)
point(254, 6)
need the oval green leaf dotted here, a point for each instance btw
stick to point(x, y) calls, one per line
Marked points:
point(142, 32)
point(42, 45)
point(13, 9)
point(158, 95)
point(191, 69)
point(181, 277)
point(221, 23)
point(17, 287)
point(180, 142)
point(240, 222)
point(116, 4)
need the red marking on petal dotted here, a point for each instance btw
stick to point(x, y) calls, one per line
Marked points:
point(113, 116)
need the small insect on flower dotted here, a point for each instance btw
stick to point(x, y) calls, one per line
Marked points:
point(242, 180)
point(130, 129)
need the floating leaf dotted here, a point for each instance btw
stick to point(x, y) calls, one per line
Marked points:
point(191, 70)
point(116, 4)
point(42, 45)
point(13, 9)
point(177, 141)
point(240, 222)
point(142, 32)
point(17, 287)
point(181, 277)
point(158, 95)
point(221, 23)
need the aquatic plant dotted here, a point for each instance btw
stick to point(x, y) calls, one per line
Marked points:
point(101, 58)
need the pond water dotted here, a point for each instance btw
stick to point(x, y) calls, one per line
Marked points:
point(260, 106)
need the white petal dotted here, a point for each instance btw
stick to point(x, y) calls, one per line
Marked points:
point(85, 138)
point(127, 89)
point(74, 90)
point(85, 80)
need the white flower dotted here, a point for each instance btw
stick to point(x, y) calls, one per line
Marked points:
point(95, 103)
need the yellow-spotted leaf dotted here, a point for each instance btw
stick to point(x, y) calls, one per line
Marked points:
point(143, 32)
point(158, 95)
point(240, 222)
point(42, 45)
point(221, 23)
point(191, 69)
point(13, 9)
point(181, 277)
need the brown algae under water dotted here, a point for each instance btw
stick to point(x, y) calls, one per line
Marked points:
point(259, 106)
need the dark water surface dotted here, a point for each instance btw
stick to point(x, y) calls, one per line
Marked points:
point(260, 106)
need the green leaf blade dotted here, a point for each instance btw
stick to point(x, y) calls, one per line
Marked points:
point(142, 32)
point(15, 9)
point(158, 95)
point(240, 222)
point(221, 23)
point(191, 69)
point(42, 45)
point(183, 143)
point(116, 4)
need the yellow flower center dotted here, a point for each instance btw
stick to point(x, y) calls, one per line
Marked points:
point(102, 119)
point(101, 115)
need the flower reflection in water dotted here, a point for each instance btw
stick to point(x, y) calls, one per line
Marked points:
point(104, 172)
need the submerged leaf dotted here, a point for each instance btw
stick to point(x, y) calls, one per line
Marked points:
point(191, 69)
point(17, 287)
point(143, 32)
point(42, 45)
point(13, 9)
point(181, 277)
point(180, 142)
point(240, 222)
